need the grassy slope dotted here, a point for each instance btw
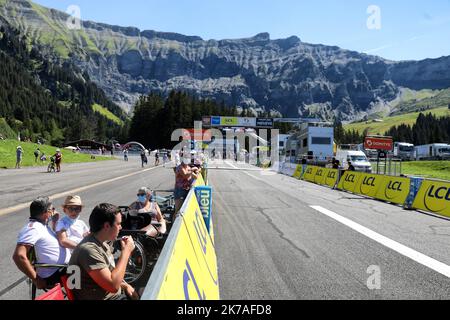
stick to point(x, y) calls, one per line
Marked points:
point(429, 169)
point(5, 130)
point(8, 154)
point(388, 122)
point(107, 114)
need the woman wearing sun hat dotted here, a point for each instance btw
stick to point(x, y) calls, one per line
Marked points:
point(70, 229)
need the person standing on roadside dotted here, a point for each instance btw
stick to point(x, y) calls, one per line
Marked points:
point(58, 160)
point(19, 155)
point(37, 152)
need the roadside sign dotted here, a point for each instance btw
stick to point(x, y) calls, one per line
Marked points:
point(379, 143)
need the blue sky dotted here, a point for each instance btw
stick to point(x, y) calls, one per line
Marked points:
point(409, 30)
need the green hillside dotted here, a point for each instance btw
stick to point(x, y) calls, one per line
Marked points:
point(8, 154)
point(107, 114)
point(380, 128)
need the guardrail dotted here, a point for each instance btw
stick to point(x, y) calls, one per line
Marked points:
point(410, 192)
point(187, 266)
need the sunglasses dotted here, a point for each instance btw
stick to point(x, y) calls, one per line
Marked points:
point(141, 195)
point(74, 209)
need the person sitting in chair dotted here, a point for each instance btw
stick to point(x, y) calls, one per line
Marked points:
point(144, 204)
point(38, 235)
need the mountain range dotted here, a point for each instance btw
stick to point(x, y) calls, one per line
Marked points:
point(287, 76)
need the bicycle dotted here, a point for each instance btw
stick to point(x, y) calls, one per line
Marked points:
point(52, 165)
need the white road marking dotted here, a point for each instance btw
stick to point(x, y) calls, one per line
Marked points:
point(431, 263)
point(250, 175)
point(71, 192)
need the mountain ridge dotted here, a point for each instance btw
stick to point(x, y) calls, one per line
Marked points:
point(288, 76)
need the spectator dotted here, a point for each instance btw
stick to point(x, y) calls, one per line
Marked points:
point(58, 160)
point(70, 230)
point(38, 236)
point(125, 155)
point(351, 167)
point(36, 154)
point(144, 159)
point(336, 164)
point(101, 278)
point(19, 156)
point(184, 177)
point(156, 158)
point(144, 204)
point(304, 165)
point(43, 157)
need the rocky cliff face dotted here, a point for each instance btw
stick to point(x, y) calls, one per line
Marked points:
point(286, 75)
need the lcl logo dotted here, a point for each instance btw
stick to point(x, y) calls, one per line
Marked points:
point(395, 186)
point(441, 193)
point(331, 175)
point(369, 181)
point(309, 171)
point(319, 173)
point(350, 178)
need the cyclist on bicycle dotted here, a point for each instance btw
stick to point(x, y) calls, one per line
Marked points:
point(145, 204)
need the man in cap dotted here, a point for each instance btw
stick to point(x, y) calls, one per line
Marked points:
point(37, 236)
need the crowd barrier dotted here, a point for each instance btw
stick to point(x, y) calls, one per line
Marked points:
point(412, 193)
point(187, 266)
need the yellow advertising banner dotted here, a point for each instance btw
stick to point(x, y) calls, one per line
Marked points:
point(394, 189)
point(191, 273)
point(229, 121)
point(349, 181)
point(183, 278)
point(310, 173)
point(298, 172)
point(320, 176)
point(331, 178)
point(434, 196)
point(202, 242)
point(199, 182)
point(369, 184)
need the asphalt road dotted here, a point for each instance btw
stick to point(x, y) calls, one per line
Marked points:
point(271, 243)
point(22, 186)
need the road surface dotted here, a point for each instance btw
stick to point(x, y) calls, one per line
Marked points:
point(272, 244)
point(276, 237)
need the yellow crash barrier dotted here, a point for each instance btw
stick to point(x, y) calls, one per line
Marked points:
point(369, 184)
point(310, 173)
point(298, 172)
point(394, 189)
point(187, 269)
point(320, 176)
point(434, 196)
point(349, 181)
point(331, 178)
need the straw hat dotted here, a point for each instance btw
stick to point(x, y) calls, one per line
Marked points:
point(73, 201)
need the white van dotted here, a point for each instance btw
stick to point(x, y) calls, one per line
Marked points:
point(357, 158)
